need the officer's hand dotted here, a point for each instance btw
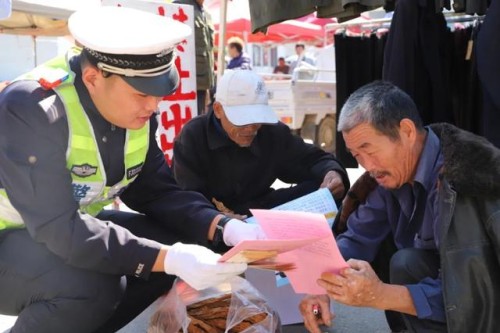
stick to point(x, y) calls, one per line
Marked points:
point(311, 319)
point(235, 231)
point(333, 181)
point(199, 266)
point(355, 286)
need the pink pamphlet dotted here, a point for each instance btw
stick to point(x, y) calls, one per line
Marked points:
point(310, 260)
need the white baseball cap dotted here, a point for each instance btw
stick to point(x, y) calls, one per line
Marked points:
point(138, 45)
point(243, 96)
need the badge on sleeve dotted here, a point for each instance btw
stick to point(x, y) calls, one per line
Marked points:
point(53, 78)
point(84, 170)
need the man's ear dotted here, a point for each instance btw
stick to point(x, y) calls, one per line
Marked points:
point(218, 110)
point(407, 130)
point(90, 77)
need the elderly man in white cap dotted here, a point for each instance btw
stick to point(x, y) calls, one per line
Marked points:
point(234, 153)
point(75, 133)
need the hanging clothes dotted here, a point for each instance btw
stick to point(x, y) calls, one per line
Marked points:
point(488, 65)
point(471, 7)
point(358, 61)
point(347, 9)
point(416, 58)
point(465, 88)
point(265, 12)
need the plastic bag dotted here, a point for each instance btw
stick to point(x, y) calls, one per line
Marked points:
point(232, 307)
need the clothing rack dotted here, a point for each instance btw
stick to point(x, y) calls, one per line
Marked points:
point(450, 18)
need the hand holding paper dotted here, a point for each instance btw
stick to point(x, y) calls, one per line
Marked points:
point(310, 260)
point(304, 239)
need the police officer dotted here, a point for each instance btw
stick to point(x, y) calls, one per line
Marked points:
point(74, 134)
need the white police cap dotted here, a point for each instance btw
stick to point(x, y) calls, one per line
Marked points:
point(132, 43)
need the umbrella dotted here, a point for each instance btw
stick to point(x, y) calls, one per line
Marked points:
point(238, 23)
point(288, 31)
point(42, 17)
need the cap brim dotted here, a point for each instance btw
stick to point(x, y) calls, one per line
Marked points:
point(241, 115)
point(161, 85)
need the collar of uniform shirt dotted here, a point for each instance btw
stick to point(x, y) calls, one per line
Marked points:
point(98, 121)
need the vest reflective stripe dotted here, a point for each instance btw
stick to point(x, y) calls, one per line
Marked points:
point(83, 159)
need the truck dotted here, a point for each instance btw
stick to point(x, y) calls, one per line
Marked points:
point(306, 102)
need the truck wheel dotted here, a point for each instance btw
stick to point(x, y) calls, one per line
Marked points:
point(308, 129)
point(326, 134)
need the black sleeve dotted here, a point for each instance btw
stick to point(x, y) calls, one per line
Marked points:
point(156, 194)
point(188, 168)
point(34, 174)
point(301, 161)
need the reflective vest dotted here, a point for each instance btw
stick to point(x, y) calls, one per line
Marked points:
point(83, 159)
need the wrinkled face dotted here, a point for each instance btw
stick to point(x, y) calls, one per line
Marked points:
point(241, 135)
point(117, 101)
point(392, 163)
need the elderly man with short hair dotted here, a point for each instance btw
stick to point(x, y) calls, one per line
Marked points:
point(438, 195)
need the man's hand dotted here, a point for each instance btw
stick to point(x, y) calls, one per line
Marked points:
point(333, 182)
point(312, 321)
point(235, 231)
point(199, 266)
point(356, 286)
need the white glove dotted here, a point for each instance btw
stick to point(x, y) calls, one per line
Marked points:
point(235, 231)
point(198, 266)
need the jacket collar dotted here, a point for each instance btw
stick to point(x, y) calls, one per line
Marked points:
point(471, 163)
point(98, 121)
point(429, 161)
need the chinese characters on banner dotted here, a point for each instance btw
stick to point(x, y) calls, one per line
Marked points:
point(180, 107)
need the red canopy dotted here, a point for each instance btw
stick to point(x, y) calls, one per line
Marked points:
point(239, 24)
point(288, 31)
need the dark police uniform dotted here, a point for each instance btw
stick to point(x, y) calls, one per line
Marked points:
point(63, 259)
point(208, 161)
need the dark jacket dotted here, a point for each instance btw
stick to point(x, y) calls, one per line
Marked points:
point(469, 210)
point(204, 43)
point(207, 161)
point(470, 244)
point(42, 192)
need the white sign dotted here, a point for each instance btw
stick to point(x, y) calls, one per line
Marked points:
point(180, 107)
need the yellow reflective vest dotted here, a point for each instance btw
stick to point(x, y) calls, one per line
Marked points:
point(83, 159)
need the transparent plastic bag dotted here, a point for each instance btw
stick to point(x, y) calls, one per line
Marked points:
point(232, 307)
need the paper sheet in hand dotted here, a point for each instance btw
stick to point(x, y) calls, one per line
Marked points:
point(319, 201)
point(249, 251)
point(310, 260)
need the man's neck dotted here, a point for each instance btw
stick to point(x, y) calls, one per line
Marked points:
point(416, 154)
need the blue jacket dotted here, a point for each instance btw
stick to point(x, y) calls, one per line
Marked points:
point(240, 62)
point(467, 204)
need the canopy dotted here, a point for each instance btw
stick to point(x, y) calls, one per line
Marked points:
point(238, 23)
point(42, 17)
point(285, 32)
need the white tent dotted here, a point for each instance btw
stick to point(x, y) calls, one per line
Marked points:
point(42, 17)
